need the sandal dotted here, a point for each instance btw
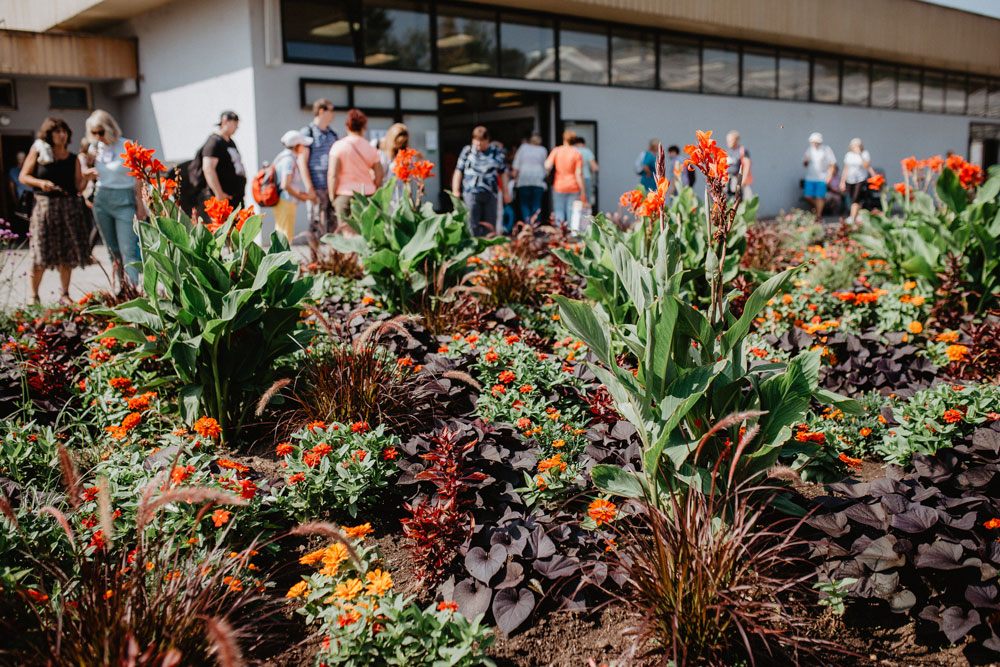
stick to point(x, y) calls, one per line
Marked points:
point(35, 300)
point(65, 300)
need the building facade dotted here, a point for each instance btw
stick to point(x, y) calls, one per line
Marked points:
point(905, 76)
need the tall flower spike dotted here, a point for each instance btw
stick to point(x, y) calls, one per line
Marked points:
point(661, 163)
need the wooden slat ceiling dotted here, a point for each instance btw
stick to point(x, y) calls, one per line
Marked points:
point(70, 56)
point(905, 31)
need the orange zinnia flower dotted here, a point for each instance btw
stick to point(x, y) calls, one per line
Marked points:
point(358, 531)
point(951, 416)
point(207, 427)
point(851, 462)
point(956, 352)
point(602, 510)
point(348, 590)
point(992, 524)
point(947, 337)
point(301, 588)
point(553, 462)
point(379, 582)
point(220, 517)
point(915, 327)
point(506, 377)
point(447, 605)
point(284, 449)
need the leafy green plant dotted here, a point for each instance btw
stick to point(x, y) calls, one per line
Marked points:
point(402, 247)
point(833, 594)
point(218, 306)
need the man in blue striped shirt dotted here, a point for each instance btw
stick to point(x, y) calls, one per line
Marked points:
point(322, 218)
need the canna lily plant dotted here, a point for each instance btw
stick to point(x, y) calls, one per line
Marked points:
point(691, 368)
point(219, 307)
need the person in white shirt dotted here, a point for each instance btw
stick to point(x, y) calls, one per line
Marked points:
point(857, 170)
point(528, 173)
point(820, 163)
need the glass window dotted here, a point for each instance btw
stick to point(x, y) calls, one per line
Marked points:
point(977, 97)
point(760, 74)
point(884, 86)
point(933, 95)
point(335, 92)
point(318, 31)
point(954, 94)
point(680, 64)
point(854, 84)
point(374, 97)
point(69, 97)
point(633, 59)
point(413, 99)
point(527, 48)
point(7, 98)
point(826, 80)
point(720, 70)
point(994, 99)
point(397, 35)
point(908, 94)
point(466, 41)
point(793, 77)
point(583, 53)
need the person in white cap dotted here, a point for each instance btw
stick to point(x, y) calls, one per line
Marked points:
point(286, 168)
point(820, 163)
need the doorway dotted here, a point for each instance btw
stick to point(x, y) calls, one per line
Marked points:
point(510, 116)
point(984, 144)
point(10, 146)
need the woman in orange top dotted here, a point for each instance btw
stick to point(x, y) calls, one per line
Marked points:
point(567, 186)
point(354, 167)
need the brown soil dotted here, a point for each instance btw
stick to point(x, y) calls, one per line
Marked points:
point(569, 638)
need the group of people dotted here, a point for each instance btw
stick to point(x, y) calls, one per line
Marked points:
point(485, 176)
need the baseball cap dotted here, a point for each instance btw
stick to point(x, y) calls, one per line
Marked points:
point(294, 138)
point(228, 115)
point(815, 138)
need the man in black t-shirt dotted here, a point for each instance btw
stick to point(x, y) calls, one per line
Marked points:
point(218, 168)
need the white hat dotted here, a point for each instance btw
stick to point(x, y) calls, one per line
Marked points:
point(815, 138)
point(294, 138)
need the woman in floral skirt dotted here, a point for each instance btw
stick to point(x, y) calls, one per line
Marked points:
point(60, 231)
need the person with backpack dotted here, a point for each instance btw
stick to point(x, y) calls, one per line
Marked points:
point(316, 161)
point(217, 169)
point(289, 178)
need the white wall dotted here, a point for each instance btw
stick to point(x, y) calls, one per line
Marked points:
point(33, 108)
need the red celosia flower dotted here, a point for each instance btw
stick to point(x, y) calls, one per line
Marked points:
point(602, 510)
point(284, 449)
point(220, 517)
point(218, 212)
point(207, 428)
point(951, 416)
point(360, 427)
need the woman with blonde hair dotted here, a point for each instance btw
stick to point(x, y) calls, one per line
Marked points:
point(59, 229)
point(118, 198)
point(857, 169)
point(397, 138)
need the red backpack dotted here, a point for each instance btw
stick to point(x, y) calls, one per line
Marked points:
point(265, 186)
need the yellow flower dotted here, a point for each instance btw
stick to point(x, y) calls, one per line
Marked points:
point(349, 589)
point(379, 582)
point(301, 588)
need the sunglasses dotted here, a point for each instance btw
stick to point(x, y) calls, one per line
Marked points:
point(98, 133)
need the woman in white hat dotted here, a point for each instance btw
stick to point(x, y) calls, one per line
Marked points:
point(820, 164)
point(286, 168)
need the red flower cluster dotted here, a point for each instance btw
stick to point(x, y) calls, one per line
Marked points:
point(218, 211)
point(648, 205)
point(708, 157)
point(876, 182)
point(141, 163)
point(407, 166)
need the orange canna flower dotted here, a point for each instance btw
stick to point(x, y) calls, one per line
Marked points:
point(876, 182)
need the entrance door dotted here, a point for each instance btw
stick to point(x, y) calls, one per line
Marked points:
point(510, 116)
point(984, 144)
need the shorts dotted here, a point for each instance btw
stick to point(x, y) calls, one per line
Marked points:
point(815, 189)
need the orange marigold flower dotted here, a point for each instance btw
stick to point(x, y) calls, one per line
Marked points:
point(915, 327)
point(851, 462)
point(379, 582)
point(602, 510)
point(956, 352)
point(207, 427)
point(284, 449)
point(299, 589)
point(220, 517)
point(358, 531)
point(951, 416)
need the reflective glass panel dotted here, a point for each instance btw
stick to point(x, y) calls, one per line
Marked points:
point(466, 41)
point(583, 53)
point(760, 74)
point(994, 99)
point(977, 97)
point(680, 64)
point(397, 35)
point(317, 30)
point(954, 94)
point(884, 86)
point(933, 93)
point(908, 94)
point(826, 80)
point(854, 84)
point(633, 59)
point(527, 48)
point(793, 77)
point(720, 70)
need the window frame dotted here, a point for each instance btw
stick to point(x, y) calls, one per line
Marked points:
point(84, 85)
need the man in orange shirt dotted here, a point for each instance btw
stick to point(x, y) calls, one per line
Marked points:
point(567, 185)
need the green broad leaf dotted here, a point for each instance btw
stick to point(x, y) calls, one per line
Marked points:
point(616, 481)
point(272, 262)
point(582, 320)
point(233, 302)
point(150, 275)
point(785, 397)
point(848, 405)
point(988, 191)
point(348, 244)
point(193, 300)
point(190, 402)
point(184, 354)
point(754, 305)
point(212, 330)
point(950, 191)
point(251, 228)
point(124, 334)
point(684, 392)
point(634, 277)
point(693, 323)
point(659, 346)
point(673, 446)
point(138, 315)
point(632, 405)
point(175, 232)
